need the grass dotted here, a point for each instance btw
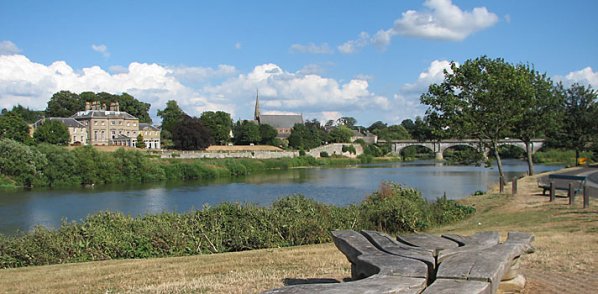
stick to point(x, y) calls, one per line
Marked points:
point(564, 262)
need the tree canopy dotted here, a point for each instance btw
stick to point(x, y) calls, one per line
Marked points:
point(247, 132)
point(341, 134)
point(267, 134)
point(191, 134)
point(12, 126)
point(220, 125)
point(52, 132)
point(483, 98)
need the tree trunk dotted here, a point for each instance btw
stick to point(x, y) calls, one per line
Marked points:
point(530, 162)
point(498, 162)
point(576, 157)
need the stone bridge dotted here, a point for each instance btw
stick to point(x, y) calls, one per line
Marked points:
point(440, 146)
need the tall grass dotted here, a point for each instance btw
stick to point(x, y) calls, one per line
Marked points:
point(289, 221)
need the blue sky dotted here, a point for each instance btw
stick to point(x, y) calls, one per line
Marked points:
point(367, 59)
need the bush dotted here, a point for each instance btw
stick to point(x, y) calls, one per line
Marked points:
point(324, 154)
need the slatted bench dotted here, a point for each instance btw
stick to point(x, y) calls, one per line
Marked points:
point(424, 263)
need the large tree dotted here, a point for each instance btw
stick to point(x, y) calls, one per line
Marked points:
point(28, 115)
point(171, 116)
point(64, 104)
point(247, 132)
point(267, 134)
point(347, 121)
point(12, 126)
point(191, 134)
point(52, 132)
point(341, 134)
point(220, 124)
point(483, 98)
point(579, 121)
point(542, 111)
point(127, 103)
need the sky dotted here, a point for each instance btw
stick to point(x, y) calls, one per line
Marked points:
point(370, 60)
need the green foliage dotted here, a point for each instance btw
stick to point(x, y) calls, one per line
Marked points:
point(191, 134)
point(20, 162)
point(341, 134)
point(349, 148)
point(324, 154)
point(267, 134)
point(560, 156)
point(12, 126)
point(346, 121)
point(52, 132)
point(28, 115)
point(465, 155)
point(289, 221)
point(247, 132)
point(61, 169)
point(171, 116)
point(140, 143)
point(307, 136)
point(64, 104)
point(220, 125)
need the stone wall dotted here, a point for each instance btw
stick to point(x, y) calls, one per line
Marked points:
point(331, 149)
point(335, 148)
point(240, 154)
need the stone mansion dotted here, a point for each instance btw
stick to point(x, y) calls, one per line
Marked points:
point(101, 126)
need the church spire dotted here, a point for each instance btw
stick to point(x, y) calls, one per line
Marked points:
point(257, 105)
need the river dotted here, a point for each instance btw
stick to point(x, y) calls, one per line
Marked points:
point(22, 210)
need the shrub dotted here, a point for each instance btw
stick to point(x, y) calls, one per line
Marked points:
point(324, 154)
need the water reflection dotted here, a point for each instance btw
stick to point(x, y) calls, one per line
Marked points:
point(340, 186)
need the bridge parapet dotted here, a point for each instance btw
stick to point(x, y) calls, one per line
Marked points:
point(439, 147)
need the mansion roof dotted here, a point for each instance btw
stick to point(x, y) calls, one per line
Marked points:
point(143, 126)
point(88, 114)
point(68, 121)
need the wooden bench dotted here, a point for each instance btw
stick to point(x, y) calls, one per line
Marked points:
point(424, 263)
point(561, 182)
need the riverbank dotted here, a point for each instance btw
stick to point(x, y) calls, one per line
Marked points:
point(564, 261)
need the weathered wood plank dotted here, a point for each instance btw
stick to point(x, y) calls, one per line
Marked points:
point(373, 285)
point(477, 241)
point(489, 264)
point(427, 241)
point(480, 238)
point(387, 244)
point(450, 286)
point(367, 260)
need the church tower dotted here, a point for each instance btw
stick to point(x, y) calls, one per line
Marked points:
point(257, 106)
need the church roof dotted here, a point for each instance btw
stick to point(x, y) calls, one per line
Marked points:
point(281, 121)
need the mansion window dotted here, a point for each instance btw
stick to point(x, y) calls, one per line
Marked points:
point(113, 122)
point(95, 135)
point(102, 123)
point(128, 124)
point(95, 123)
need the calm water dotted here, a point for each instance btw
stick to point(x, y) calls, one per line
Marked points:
point(25, 209)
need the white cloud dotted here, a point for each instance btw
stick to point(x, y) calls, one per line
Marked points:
point(8, 48)
point(31, 84)
point(311, 48)
point(585, 76)
point(102, 49)
point(442, 20)
point(355, 45)
point(238, 45)
point(406, 101)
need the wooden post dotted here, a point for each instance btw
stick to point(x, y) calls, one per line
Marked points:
point(552, 194)
point(501, 183)
point(571, 194)
point(586, 197)
point(514, 188)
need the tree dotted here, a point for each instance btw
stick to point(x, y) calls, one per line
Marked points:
point(126, 102)
point(171, 116)
point(20, 162)
point(140, 143)
point(191, 134)
point(377, 127)
point(542, 112)
point(304, 136)
point(12, 126)
point(267, 134)
point(220, 124)
point(247, 132)
point(483, 99)
point(409, 125)
point(347, 121)
point(579, 120)
point(341, 134)
point(28, 115)
point(64, 104)
point(394, 132)
point(52, 132)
